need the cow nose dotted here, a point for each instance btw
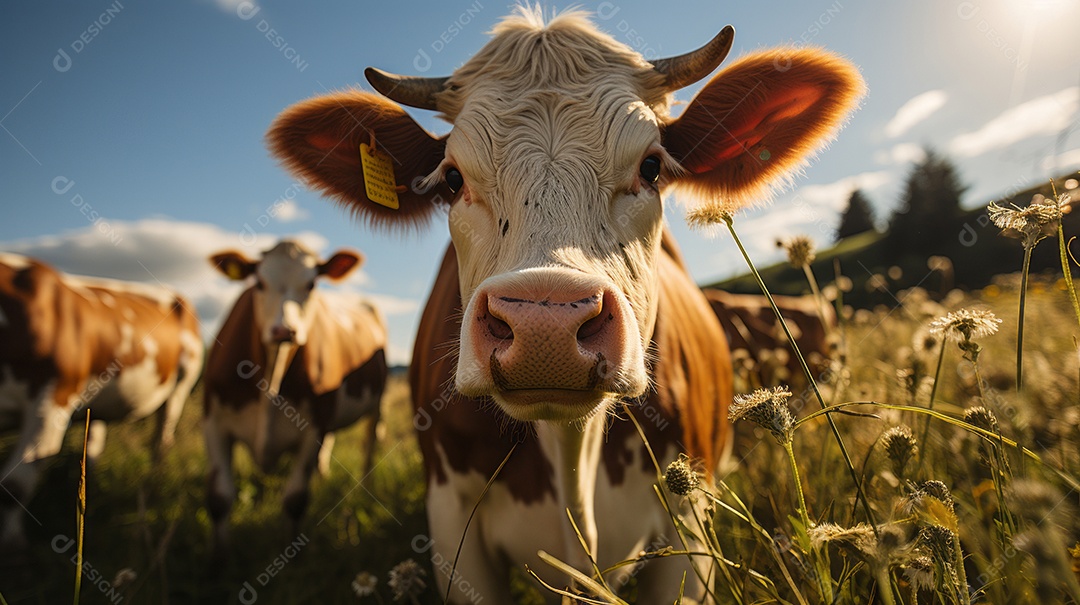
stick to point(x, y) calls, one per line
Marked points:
point(571, 338)
point(280, 333)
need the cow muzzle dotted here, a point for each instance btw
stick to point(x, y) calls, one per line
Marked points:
point(550, 344)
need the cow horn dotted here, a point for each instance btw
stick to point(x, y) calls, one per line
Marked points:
point(684, 70)
point(413, 91)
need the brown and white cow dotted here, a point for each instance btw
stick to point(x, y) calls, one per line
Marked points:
point(124, 350)
point(291, 364)
point(755, 335)
point(562, 294)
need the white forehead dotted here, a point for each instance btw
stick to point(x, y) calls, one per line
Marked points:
point(288, 263)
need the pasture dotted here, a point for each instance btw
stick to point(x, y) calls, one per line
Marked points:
point(152, 521)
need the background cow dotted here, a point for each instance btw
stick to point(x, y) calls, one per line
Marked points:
point(759, 346)
point(569, 295)
point(291, 364)
point(67, 343)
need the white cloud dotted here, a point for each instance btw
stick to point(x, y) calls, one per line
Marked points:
point(902, 153)
point(1065, 161)
point(914, 111)
point(1048, 114)
point(234, 6)
point(288, 211)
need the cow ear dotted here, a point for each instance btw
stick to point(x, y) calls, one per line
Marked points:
point(233, 265)
point(318, 140)
point(759, 120)
point(341, 264)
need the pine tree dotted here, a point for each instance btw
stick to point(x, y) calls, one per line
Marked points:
point(928, 219)
point(857, 218)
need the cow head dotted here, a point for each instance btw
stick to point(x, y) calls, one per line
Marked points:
point(284, 280)
point(553, 172)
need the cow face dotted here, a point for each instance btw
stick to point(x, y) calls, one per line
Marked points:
point(553, 172)
point(284, 282)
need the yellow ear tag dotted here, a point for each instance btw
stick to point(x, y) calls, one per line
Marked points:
point(233, 270)
point(378, 176)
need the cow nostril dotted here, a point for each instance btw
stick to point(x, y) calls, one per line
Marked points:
point(593, 326)
point(499, 329)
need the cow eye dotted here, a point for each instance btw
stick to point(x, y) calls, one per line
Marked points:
point(454, 180)
point(311, 285)
point(650, 169)
point(260, 284)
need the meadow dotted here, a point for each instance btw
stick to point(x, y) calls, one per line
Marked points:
point(1014, 516)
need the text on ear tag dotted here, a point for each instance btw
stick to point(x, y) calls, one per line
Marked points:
point(378, 176)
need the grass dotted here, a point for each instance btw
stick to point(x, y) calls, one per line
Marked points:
point(786, 526)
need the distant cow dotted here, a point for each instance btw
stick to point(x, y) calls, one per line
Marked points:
point(328, 352)
point(757, 338)
point(67, 343)
point(562, 295)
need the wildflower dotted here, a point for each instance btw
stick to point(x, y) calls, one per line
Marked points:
point(939, 491)
point(680, 478)
point(364, 584)
point(860, 537)
point(406, 580)
point(800, 251)
point(768, 409)
point(715, 212)
point(1030, 225)
point(919, 572)
point(900, 447)
point(965, 324)
point(982, 418)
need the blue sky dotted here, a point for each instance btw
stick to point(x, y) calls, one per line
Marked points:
point(132, 133)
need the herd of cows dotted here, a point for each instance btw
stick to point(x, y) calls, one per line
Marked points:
point(561, 298)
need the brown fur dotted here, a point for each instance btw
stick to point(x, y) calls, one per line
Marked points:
point(319, 140)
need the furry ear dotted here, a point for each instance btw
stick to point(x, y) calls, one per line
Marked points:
point(318, 140)
point(233, 265)
point(341, 264)
point(760, 120)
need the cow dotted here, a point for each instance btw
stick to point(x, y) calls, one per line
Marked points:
point(291, 364)
point(68, 343)
point(563, 301)
point(757, 339)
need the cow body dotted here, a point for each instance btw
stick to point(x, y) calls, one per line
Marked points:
point(332, 374)
point(570, 297)
point(68, 343)
point(463, 441)
point(759, 345)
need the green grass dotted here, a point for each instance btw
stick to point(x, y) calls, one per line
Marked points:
point(153, 521)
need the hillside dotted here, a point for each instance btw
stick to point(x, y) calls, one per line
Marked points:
point(878, 269)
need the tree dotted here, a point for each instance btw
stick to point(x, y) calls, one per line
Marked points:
point(928, 220)
point(857, 218)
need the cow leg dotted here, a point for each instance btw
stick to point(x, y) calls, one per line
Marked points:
point(168, 416)
point(326, 453)
point(95, 441)
point(659, 579)
point(220, 485)
point(297, 487)
point(372, 442)
point(42, 435)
